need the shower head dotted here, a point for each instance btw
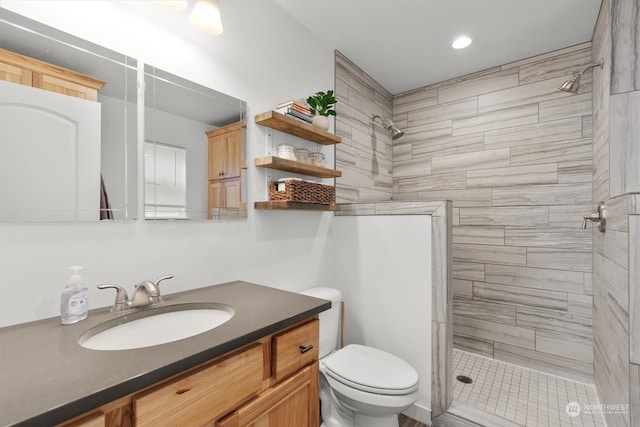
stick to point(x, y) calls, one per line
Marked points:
point(573, 84)
point(389, 126)
point(395, 132)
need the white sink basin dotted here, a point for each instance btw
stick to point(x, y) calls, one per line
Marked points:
point(154, 326)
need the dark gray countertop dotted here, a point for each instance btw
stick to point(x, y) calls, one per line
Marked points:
point(46, 377)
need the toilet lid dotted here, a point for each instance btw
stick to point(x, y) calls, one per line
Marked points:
point(371, 370)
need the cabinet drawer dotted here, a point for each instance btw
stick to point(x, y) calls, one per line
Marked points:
point(294, 349)
point(204, 395)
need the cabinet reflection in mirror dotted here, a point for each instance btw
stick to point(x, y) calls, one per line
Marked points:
point(194, 150)
point(67, 126)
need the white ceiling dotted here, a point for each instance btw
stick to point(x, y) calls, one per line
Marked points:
point(406, 44)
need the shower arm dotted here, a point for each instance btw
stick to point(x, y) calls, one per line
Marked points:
point(376, 116)
point(382, 121)
point(580, 73)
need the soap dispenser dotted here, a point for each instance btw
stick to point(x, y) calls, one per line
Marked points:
point(74, 301)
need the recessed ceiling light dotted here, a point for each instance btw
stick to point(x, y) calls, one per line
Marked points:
point(461, 42)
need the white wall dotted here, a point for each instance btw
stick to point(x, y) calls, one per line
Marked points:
point(257, 59)
point(383, 269)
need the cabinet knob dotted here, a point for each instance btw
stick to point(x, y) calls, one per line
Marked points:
point(220, 173)
point(304, 349)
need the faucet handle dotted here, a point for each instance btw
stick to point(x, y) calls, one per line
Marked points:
point(122, 298)
point(157, 284)
point(157, 281)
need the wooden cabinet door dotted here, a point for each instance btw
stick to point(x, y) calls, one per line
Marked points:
point(291, 403)
point(217, 157)
point(233, 143)
point(225, 151)
point(216, 195)
point(232, 194)
point(224, 193)
point(225, 156)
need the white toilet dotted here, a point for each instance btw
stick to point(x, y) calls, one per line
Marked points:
point(359, 386)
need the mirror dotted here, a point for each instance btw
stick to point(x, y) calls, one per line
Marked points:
point(64, 156)
point(194, 150)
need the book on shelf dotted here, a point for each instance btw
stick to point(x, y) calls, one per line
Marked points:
point(295, 113)
point(285, 103)
point(296, 105)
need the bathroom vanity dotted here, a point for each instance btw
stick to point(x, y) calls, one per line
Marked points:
point(258, 368)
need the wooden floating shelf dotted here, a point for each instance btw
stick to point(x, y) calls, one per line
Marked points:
point(273, 162)
point(281, 205)
point(292, 126)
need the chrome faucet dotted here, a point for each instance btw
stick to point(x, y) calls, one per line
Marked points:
point(145, 293)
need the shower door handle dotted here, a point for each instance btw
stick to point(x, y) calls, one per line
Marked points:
point(598, 217)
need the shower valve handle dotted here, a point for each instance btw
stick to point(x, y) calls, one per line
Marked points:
point(598, 217)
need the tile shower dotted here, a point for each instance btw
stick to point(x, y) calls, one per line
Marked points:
point(522, 163)
point(514, 155)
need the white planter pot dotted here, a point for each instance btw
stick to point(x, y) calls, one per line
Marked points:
point(321, 122)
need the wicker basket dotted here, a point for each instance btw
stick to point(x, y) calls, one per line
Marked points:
point(303, 192)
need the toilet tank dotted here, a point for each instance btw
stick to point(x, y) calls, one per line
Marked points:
point(329, 319)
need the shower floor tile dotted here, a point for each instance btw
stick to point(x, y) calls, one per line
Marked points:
point(523, 396)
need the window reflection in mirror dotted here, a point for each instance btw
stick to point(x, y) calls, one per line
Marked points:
point(65, 154)
point(207, 127)
point(165, 179)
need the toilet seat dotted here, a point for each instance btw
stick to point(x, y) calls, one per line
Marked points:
point(371, 370)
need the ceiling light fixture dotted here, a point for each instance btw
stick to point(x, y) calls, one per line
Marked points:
point(205, 15)
point(461, 42)
point(174, 5)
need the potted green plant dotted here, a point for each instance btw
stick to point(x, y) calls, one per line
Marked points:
point(322, 106)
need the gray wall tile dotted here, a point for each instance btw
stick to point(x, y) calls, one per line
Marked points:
point(535, 135)
point(498, 332)
point(537, 278)
point(561, 366)
point(565, 345)
point(521, 296)
point(485, 310)
point(625, 143)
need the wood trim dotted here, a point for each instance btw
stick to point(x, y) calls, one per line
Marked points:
point(314, 395)
point(342, 314)
point(38, 66)
point(242, 124)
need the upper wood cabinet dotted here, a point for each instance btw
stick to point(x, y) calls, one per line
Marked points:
point(225, 151)
point(28, 71)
